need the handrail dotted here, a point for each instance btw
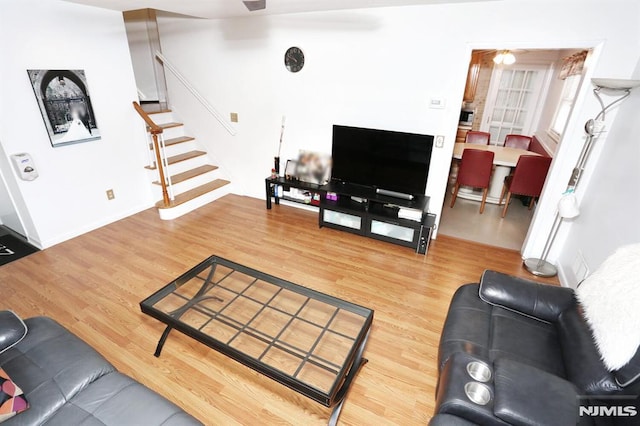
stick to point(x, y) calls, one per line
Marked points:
point(153, 127)
point(156, 130)
point(195, 93)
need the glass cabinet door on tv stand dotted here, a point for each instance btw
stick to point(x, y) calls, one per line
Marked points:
point(362, 211)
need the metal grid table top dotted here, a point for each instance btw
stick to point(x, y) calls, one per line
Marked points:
point(299, 337)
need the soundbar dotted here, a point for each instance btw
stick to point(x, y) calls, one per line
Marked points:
point(394, 194)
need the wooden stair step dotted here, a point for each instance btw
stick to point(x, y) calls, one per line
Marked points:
point(166, 126)
point(154, 107)
point(175, 141)
point(180, 157)
point(181, 177)
point(193, 193)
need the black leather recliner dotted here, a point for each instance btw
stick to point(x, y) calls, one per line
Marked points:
point(533, 357)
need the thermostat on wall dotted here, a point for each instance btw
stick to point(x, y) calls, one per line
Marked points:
point(24, 166)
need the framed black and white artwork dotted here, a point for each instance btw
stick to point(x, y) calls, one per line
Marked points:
point(65, 104)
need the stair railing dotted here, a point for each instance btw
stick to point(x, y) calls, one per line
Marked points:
point(168, 65)
point(161, 162)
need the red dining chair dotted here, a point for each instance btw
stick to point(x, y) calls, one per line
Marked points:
point(518, 141)
point(475, 170)
point(527, 179)
point(477, 138)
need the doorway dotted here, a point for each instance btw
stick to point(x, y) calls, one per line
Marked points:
point(9, 219)
point(463, 221)
point(518, 98)
point(143, 37)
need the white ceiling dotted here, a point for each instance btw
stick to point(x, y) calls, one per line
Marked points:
point(235, 8)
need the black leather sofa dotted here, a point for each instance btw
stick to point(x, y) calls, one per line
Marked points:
point(66, 382)
point(536, 358)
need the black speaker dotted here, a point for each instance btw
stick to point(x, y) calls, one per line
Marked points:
point(422, 245)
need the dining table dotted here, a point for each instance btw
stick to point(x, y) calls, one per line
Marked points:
point(505, 158)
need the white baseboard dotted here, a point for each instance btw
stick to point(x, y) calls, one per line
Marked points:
point(88, 228)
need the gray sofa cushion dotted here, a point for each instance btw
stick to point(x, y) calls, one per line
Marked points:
point(116, 399)
point(51, 365)
point(67, 382)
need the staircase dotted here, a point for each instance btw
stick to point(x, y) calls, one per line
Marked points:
point(194, 181)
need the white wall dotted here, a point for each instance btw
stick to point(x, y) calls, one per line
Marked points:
point(69, 198)
point(379, 68)
point(8, 211)
point(374, 68)
point(359, 71)
point(6, 205)
point(142, 56)
point(610, 203)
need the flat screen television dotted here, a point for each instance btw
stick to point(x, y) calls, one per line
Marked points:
point(383, 159)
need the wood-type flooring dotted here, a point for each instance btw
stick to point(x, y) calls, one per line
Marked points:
point(93, 284)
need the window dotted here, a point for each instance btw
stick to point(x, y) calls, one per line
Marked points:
point(565, 103)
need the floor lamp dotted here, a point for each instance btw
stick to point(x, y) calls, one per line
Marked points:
point(568, 205)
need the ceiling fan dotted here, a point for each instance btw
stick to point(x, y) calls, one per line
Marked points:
point(253, 5)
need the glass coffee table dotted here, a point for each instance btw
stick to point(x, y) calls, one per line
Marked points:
point(306, 340)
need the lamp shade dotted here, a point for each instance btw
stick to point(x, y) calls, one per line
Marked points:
point(568, 206)
point(504, 57)
point(508, 58)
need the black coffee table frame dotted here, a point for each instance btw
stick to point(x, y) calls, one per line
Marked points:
point(308, 341)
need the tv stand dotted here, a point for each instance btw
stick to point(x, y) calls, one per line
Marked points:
point(365, 211)
point(403, 221)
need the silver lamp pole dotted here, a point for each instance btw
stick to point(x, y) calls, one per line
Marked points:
point(541, 267)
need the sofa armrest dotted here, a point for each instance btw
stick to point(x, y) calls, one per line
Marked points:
point(450, 420)
point(12, 330)
point(629, 374)
point(526, 396)
point(541, 301)
point(583, 365)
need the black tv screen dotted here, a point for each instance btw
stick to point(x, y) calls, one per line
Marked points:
point(382, 159)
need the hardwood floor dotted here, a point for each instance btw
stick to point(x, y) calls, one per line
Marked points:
point(93, 284)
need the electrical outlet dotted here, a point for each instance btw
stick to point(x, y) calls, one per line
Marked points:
point(110, 194)
point(234, 117)
point(580, 267)
point(439, 141)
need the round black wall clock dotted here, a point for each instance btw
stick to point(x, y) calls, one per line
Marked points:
point(294, 59)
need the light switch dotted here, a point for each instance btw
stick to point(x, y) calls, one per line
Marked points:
point(437, 103)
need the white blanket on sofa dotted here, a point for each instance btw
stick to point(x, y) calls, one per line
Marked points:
point(610, 298)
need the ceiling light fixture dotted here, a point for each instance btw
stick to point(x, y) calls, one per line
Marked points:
point(253, 5)
point(504, 57)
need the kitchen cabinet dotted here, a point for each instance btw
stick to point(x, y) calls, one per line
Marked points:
point(472, 77)
point(461, 134)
